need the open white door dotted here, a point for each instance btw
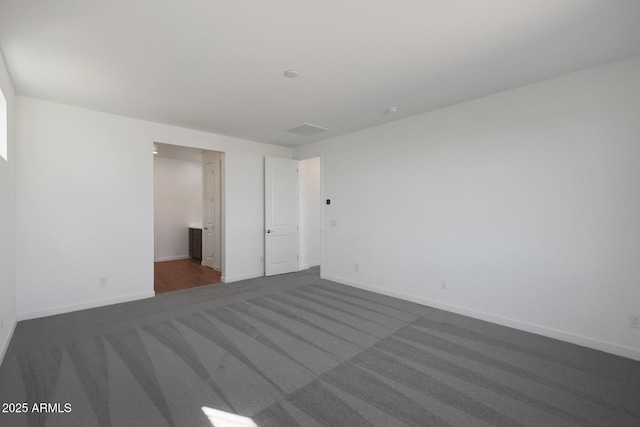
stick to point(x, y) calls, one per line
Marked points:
point(209, 215)
point(281, 215)
point(211, 247)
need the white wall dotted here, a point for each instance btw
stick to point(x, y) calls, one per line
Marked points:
point(85, 205)
point(178, 205)
point(310, 223)
point(7, 220)
point(526, 202)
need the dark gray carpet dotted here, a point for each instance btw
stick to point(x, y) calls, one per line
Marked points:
point(295, 350)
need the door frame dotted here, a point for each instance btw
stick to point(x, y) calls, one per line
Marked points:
point(178, 147)
point(281, 226)
point(321, 210)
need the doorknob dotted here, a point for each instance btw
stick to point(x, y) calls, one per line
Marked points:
point(268, 231)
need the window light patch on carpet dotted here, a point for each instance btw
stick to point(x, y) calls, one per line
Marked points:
point(219, 418)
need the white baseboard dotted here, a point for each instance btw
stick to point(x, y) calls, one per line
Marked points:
point(592, 343)
point(84, 305)
point(172, 258)
point(229, 279)
point(5, 345)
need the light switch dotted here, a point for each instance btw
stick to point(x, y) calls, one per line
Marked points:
point(333, 222)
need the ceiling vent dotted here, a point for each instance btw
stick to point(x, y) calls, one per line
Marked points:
point(307, 129)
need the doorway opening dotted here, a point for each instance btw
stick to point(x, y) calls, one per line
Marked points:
point(188, 217)
point(293, 215)
point(310, 208)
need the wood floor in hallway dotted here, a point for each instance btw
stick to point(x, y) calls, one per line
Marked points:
point(172, 276)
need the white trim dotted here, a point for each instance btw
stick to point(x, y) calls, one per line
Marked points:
point(592, 343)
point(172, 258)
point(227, 279)
point(5, 345)
point(82, 306)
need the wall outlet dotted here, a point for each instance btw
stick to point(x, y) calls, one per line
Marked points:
point(634, 321)
point(356, 267)
point(443, 284)
point(261, 259)
point(104, 281)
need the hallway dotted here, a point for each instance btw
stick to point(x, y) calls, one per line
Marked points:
point(181, 274)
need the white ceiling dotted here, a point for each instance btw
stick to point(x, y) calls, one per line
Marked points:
point(218, 65)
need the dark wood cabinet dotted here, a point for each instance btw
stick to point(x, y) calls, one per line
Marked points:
point(195, 243)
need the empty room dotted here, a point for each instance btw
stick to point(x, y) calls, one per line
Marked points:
point(417, 213)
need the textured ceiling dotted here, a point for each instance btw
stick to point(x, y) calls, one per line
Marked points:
point(218, 65)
